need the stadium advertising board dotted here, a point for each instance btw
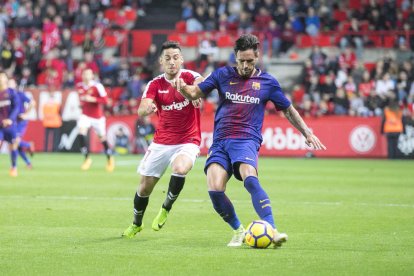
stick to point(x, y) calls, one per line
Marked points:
point(343, 136)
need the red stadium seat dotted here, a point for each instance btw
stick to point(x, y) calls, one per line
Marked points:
point(78, 38)
point(174, 37)
point(116, 92)
point(389, 41)
point(111, 14)
point(190, 40)
point(304, 41)
point(355, 4)
point(339, 15)
point(181, 26)
point(323, 41)
point(111, 41)
point(141, 40)
point(225, 41)
point(375, 40)
point(369, 66)
point(130, 14)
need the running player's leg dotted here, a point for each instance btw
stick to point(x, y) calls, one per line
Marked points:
point(151, 168)
point(245, 169)
point(99, 126)
point(217, 178)
point(84, 123)
point(11, 138)
point(182, 162)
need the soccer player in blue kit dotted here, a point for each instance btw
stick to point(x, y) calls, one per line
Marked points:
point(9, 109)
point(244, 91)
point(25, 106)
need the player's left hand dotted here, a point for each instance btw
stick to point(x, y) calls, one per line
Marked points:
point(314, 142)
point(7, 122)
point(197, 103)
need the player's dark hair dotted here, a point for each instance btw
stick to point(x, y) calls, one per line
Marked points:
point(246, 42)
point(170, 44)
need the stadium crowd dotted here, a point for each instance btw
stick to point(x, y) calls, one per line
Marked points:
point(37, 41)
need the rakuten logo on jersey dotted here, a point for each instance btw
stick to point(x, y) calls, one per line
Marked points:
point(237, 98)
point(275, 138)
point(176, 106)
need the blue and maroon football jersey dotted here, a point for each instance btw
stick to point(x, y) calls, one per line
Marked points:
point(242, 102)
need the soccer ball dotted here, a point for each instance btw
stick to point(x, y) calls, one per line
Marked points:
point(259, 234)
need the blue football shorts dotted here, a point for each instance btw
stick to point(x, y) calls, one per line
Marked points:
point(230, 153)
point(8, 134)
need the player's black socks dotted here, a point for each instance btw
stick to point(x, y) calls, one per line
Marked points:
point(174, 189)
point(83, 147)
point(106, 148)
point(140, 204)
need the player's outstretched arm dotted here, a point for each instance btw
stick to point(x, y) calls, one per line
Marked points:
point(146, 107)
point(296, 120)
point(191, 92)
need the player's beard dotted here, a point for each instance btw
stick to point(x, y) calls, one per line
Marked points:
point(172, 72)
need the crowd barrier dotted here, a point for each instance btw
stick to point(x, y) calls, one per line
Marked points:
point(355, 137)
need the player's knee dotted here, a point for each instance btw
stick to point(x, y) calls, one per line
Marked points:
point(181, 168)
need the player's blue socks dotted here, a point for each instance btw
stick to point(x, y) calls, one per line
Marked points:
point(24, 144)
point(260, 200)
point(23, 155)
point(13, 156)
point(224, 208)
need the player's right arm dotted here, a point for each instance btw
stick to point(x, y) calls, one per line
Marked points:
point(191, 92)
point(147, 107)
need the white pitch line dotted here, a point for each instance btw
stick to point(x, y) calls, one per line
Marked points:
point(329, 203)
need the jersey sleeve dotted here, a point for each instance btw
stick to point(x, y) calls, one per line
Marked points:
point(210, 83)
point(277, 96)
point(150, 90)
point(190, 76)
point(15, 104)
point(101, 92)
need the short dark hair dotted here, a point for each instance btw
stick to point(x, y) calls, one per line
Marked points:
point(170, 44)
point(246, 42)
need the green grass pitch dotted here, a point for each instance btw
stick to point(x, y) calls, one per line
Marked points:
point(343, 217)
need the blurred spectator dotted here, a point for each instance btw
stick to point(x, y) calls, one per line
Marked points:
point(151, 60)
point(65, 47)
point(7, 61)
point(144, 133)
point(354, 38)
point(245, 23)
point(347, 59)
point(312, 22)
point(52, 121)
point(318, 59)
point(87, 43)
point(207, 51)
point(50, 35)
point(288, 37)
point(341, 102)
point(366, 86)
point(121, 141)
point(392, 126)
point(273, 38)
point(262, 20)
point(83, 19)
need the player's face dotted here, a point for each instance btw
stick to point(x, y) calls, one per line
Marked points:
point(87, 75)
point(246, 62)
point(171, 61)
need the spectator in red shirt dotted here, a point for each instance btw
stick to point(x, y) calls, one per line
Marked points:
point(347, 59)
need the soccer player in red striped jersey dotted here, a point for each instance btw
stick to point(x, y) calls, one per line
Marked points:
point(176, 140)
point(93, 97)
